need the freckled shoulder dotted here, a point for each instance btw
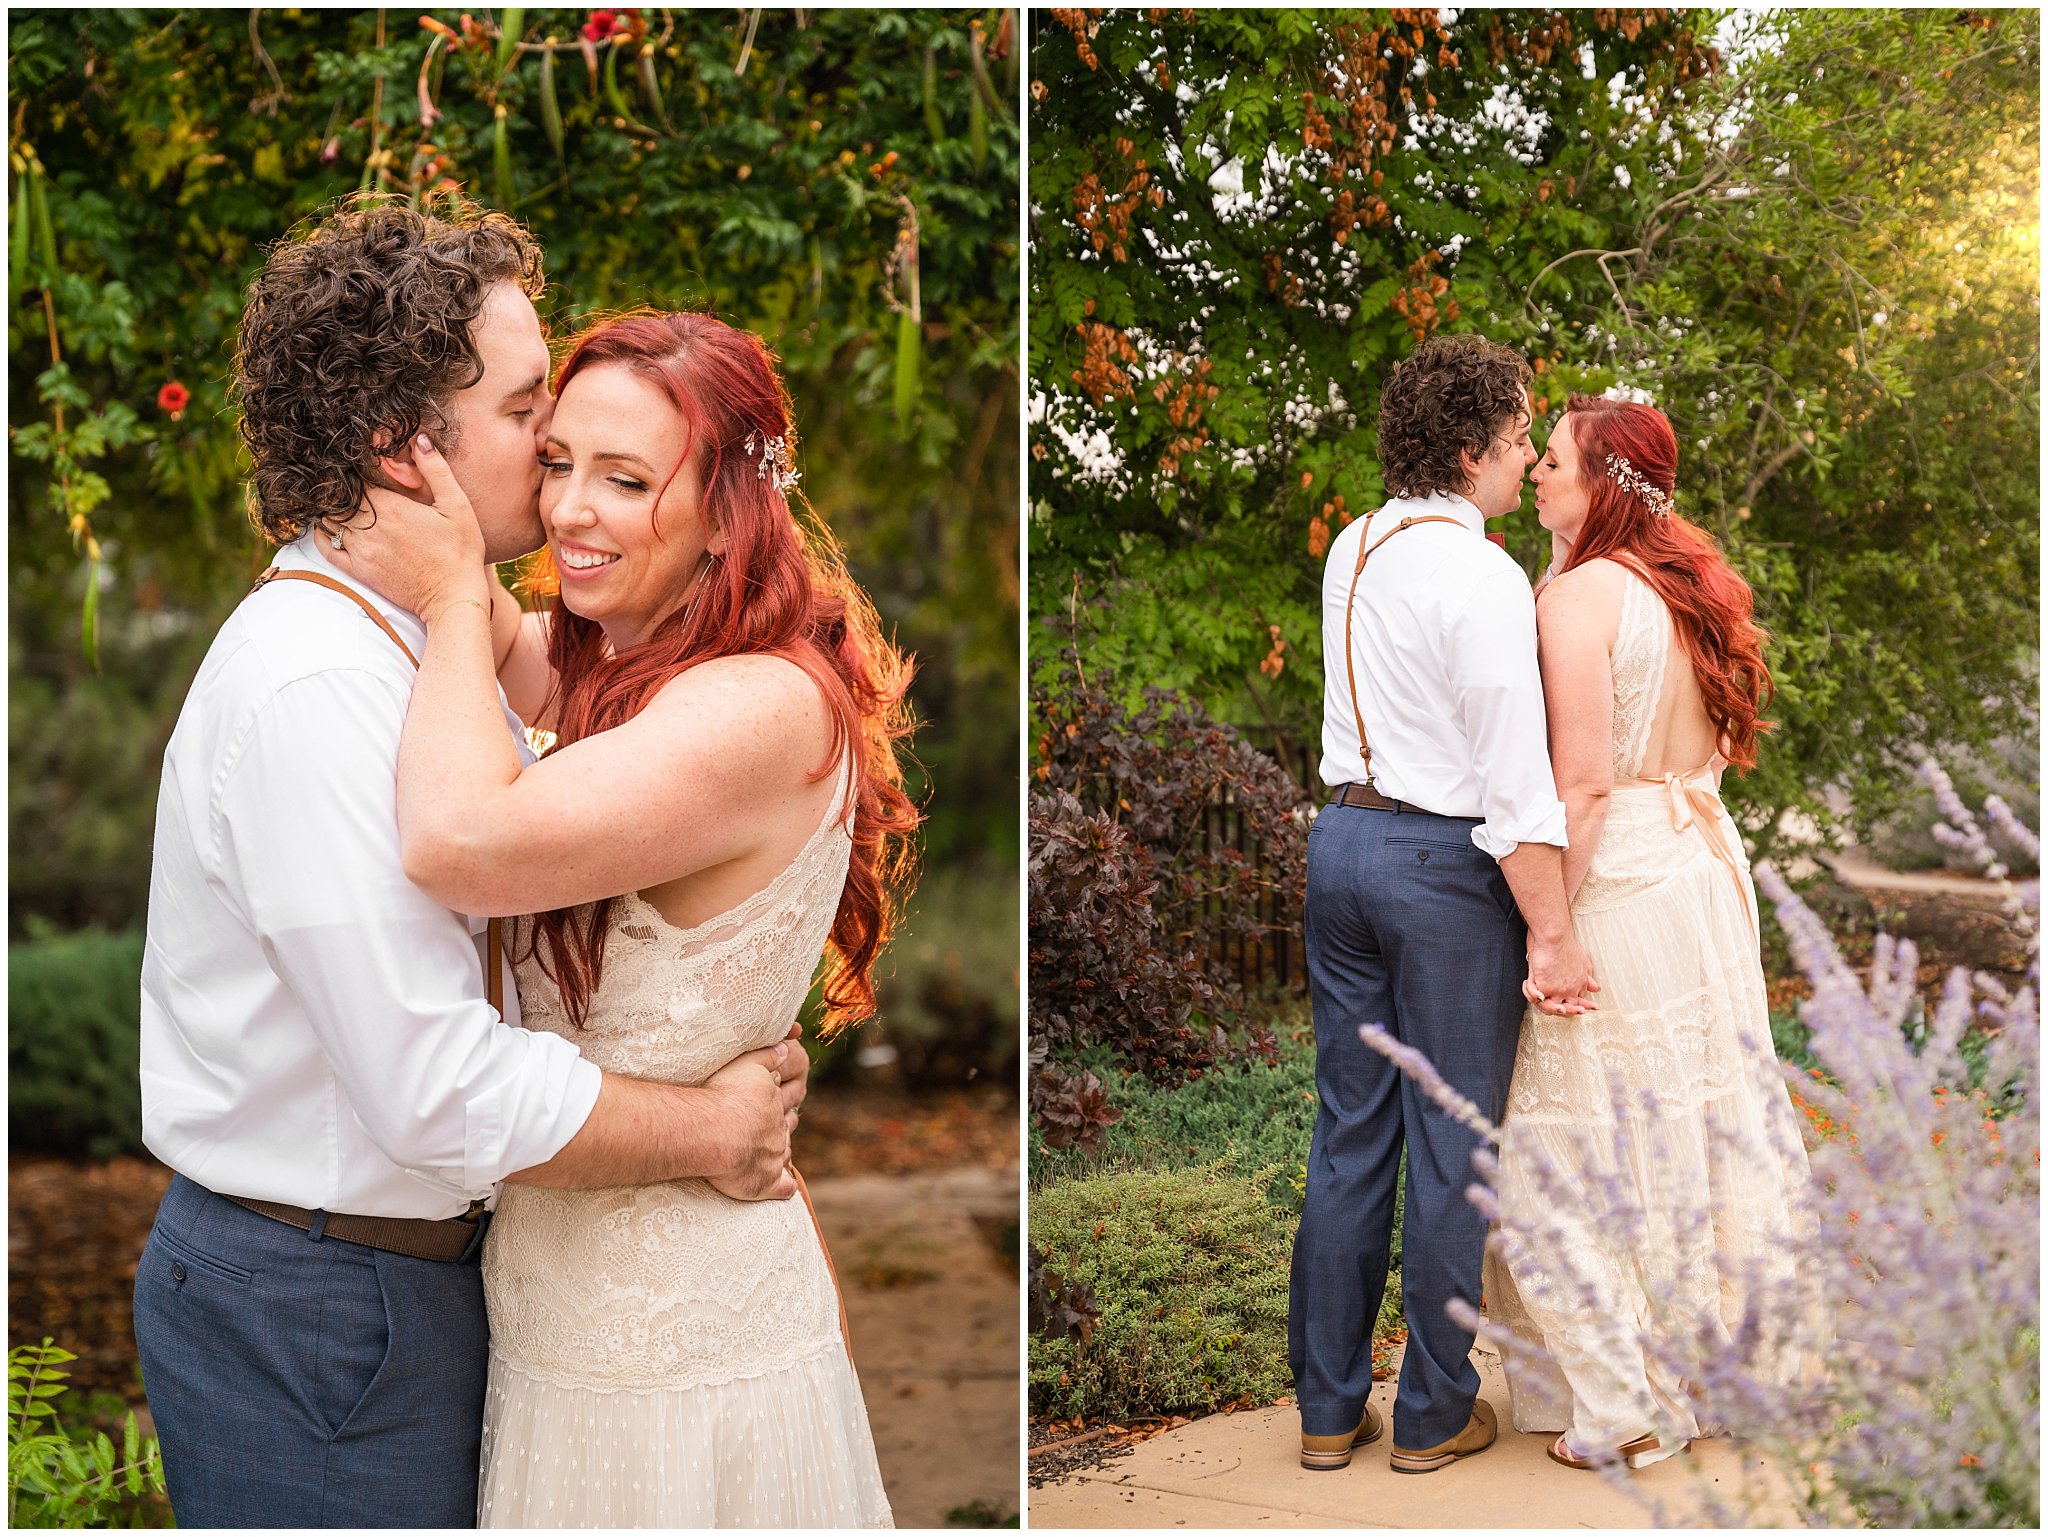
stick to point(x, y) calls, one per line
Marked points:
point(1587, 598)
point(749, 695)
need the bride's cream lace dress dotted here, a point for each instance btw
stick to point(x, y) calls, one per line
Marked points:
point(1651, 1174)
point(662, 1356)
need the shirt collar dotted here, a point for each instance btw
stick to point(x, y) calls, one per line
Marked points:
point(305, 554)
point(1444, 504)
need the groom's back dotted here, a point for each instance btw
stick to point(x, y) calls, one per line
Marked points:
point(1438, 610)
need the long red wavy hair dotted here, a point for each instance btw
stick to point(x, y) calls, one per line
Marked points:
point(1710, 603)
point(778, 589)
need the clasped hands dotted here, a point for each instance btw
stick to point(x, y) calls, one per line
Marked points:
point(1560, 979)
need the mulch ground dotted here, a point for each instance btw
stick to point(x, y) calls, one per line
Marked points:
point(76, 1230)
point(850, 1131)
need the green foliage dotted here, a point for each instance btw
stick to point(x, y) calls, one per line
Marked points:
point(60, 1479)
point(947, 990)
point(1189, 1269)
point(1817, 257)
point(73, 1054)
point(981, 1513)
point(1250, 1119)
point(810, 178)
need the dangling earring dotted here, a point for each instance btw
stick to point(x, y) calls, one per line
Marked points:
point(697, 588)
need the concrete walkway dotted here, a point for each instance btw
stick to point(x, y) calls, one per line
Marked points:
point(932, 1311)
point(1244, 1470)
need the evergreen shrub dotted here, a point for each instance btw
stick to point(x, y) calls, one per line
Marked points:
point(1252, 1120)
point(73, 1057)
point(1189, 1271)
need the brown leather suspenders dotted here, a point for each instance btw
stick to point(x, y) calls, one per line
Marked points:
point(1366, 545)
point(494, 941)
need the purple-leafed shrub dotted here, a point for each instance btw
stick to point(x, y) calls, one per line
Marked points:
point(1161, 770)
point(1885, 1355)
point(1102, 971)
point(1070, 1105)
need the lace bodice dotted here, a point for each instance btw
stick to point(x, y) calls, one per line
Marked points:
point(673, 1285)
point(676, 1005)
point(1642, 646)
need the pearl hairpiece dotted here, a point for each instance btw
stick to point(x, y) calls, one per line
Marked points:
point(1631, 479)
point(777, 464)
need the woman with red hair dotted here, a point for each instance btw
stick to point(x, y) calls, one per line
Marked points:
point(1650, 1173)
point(721, 803)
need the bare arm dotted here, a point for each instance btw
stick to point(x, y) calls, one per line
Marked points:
point(733, 1130)
point(1560, 976)
point(519, 641)
point(1576, 620)
point(715, 763)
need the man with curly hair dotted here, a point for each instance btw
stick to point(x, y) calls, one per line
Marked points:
point(1435, 901)
point(322, 1062)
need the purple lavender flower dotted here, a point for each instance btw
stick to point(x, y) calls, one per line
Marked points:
point(1886, 1356)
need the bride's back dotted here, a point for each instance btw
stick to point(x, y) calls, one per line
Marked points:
point(1661, 724)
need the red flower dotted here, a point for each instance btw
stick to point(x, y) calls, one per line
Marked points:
point(173, 397)
point(604, 24)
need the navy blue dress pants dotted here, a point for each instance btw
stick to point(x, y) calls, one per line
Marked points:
point(301, 1382)
point(1413, 927)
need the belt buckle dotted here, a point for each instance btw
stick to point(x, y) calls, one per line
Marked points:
point(481, 1218)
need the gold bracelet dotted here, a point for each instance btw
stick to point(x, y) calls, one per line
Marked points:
point(479, 602)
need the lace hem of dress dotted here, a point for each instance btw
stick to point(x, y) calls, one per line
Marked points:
point(760, 1366)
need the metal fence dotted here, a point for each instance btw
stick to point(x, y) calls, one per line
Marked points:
point(1272, 957)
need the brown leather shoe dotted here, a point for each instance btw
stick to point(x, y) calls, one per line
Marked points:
point(1476, 1437)
point(1325, 1453)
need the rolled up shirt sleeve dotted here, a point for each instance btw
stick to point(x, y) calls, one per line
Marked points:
point(305, 822)
point(1498, 694)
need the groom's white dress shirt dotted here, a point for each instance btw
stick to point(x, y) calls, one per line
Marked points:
point(314, 1027)
point(1443, 643)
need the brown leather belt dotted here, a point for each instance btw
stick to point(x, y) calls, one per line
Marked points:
point(451, 1239)
point(1366, 798)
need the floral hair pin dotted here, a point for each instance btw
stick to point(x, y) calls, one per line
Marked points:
point(776, 464)
point(1631, 479)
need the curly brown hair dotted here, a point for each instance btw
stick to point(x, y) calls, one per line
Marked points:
point(1453, 395)
point(354, 335)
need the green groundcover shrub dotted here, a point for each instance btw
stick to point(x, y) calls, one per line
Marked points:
point(1189, 1269)
point(73, 1022)
point(1250, 1119)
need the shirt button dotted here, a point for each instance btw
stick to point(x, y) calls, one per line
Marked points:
point(177, 1270)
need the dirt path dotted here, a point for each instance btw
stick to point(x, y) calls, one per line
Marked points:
point(1853, 867)
point(928, 1264)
